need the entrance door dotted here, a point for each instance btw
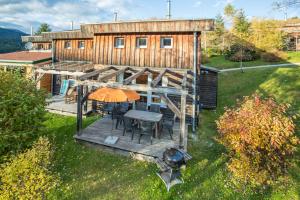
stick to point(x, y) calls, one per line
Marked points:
point(56, 84)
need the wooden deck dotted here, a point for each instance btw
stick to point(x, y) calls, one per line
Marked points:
point(97, 132)
point(56, 104)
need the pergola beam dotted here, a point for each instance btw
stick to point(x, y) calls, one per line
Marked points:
point(158, 78)
point(136, 87)
point(108, 76)
point(134, 76)
point(171, 105)
point(94, 73)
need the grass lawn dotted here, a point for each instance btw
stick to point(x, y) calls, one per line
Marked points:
point(221, 63)
point(88, 173)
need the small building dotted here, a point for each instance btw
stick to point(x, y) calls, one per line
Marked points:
point(39, 43)
point(26, 62)
point(293, 31)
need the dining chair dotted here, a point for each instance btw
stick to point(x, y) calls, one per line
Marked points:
point(129, 126)
point(155, 108)
point(141, 106)
point(116, 115)
point(146, 128)
point(167, 122)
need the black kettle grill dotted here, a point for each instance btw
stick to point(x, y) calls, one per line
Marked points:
point(173, 159)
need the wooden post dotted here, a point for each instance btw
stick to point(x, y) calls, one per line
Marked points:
point(133, 104)
point(183, 135)
point(195, 80)
point(164, 83)
point(149, 93)
point(120, 77)
point(86, 91)
point(79, 109)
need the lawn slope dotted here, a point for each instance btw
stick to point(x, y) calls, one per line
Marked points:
point(88, 173)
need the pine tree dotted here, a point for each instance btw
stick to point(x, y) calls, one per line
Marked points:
point(43, 28)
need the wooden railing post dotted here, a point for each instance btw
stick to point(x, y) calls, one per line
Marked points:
point(79, 109)
point(183, 134)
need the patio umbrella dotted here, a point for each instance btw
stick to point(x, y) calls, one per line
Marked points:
point(112, 95)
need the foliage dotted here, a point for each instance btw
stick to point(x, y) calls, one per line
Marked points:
point(259, 136)
point(22, 109)
point(229, 11)
point(216, 39)
point(28, 175)
point(241, 25)
point(275, 56)
point(238, 52)
point(43, 28)
point(267, 35)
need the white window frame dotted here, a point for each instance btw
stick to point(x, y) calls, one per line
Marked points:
point(118, 44)
point(81, 42)
point(166, 46)
point(138, 45)
point(66, 46)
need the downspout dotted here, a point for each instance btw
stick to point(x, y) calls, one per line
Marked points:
point(195, 80)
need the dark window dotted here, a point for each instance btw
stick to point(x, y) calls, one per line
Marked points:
point(166, 42)
point(67, 44)
point(40, 46)
point(141, 42)
point(81, 45)
point(119, 42)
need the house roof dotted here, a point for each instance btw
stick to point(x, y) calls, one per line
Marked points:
point(26, 57)
point(87, 31)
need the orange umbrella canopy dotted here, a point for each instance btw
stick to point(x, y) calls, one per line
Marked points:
point(114, 95)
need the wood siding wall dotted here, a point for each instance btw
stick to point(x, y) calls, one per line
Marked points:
point(179, 56)
point(45, 45)
point(74, 53)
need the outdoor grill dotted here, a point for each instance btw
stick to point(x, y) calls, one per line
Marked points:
point(173, 159)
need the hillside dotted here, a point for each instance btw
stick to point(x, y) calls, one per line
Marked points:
point(10, 40)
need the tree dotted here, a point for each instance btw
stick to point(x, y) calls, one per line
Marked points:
point(22, 108)
point(216, 39)
point(229, 11)
point(267, 35)
point(260, 138)
point(286, 4)
point(241, 25)
point(43, 28)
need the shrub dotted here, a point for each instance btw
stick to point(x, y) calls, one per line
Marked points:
point(259, 136)
point(274, 56)
point(238, 51)
point(22, 109)
point(28, 175)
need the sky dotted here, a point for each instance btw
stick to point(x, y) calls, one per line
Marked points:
point(22, 14)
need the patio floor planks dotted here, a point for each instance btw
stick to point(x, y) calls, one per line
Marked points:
point(56, 104)
point(97, 132)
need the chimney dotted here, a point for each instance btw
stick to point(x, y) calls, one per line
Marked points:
point(72, 25)
point(168, 9)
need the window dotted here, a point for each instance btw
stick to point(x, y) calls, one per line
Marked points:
point(166, 42)
point(67, 44)
point(80, 44)
point(119, 42)
point(141, 42)
point(50, 46)
point(40, 46)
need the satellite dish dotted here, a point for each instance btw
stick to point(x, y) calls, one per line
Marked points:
point(28, 45)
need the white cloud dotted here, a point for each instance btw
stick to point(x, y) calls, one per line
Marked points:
point(198, 3)
point(220, 3)
point(60, 14)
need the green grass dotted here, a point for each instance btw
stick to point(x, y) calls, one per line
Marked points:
point(88, 173)
point(221, 63)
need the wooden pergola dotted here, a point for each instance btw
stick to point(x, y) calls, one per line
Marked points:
point(162, 82)
point(100, 78)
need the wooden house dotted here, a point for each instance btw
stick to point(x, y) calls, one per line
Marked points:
point(161, 59)
point(39, 43)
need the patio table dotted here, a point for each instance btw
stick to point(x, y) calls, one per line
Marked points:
point(145, 116)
